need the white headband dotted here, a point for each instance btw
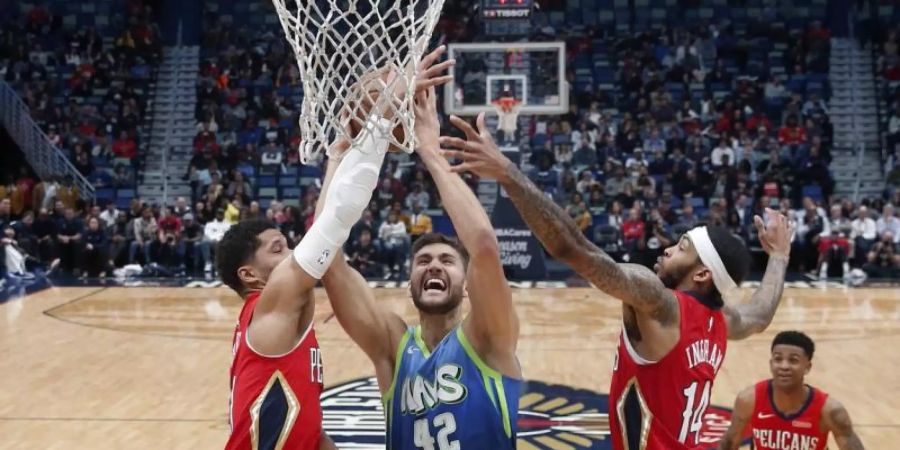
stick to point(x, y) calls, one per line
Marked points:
point(699, 237)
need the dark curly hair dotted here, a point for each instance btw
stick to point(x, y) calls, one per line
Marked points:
point(237, 248)
point(796, 339)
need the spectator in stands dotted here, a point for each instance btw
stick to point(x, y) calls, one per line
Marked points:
point(834, 244)
point(12, 257)
point(122, 177)
point(94, 262)
point(883, 261)
point(888, 222)
point(687, 219)
point(893, 136)
point(577, 209)
point(233, 209)
point(864, 233)
point(758, 119)
point(238, 185)
point(363, 255)
point(45, 230)
point(271, 156)
point(5, 213)
point(291, 225)
point(723, 154)
point(792, 138)
point(367, 222)
point(181, 207)
point(169, 247)
point(120, 235)
point(420, 222)
point(774, 89)
point(109, 215)
point(25, 236)
point(810, 225)
point(395, 242)
point(124, 147)
point(69, 237)
point(418, 197)
point(212, 234)
point(633, 228)
point(187, 244)
point(68, 193)
point(145, 232)
point(814, 106)
point(616, 184)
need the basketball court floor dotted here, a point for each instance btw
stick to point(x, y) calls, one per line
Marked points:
point(147, 367)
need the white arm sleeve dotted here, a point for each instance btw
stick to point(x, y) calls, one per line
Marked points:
point(349, 194)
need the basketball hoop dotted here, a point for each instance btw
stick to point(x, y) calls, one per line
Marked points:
point(508, 111)
point(350, 53)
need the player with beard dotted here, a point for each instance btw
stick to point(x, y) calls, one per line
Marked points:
point(785, 413)
point(453, 380)
point(675, 322)
point(276, 371)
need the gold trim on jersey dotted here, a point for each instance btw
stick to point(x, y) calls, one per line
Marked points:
point(647, 416)
point(291, 417)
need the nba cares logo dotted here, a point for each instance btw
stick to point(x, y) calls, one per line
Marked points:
point(550, 417)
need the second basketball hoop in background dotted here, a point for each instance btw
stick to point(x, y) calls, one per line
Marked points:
point(507, 108)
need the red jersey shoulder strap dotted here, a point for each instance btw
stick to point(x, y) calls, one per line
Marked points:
point(247, 310)
point(817, 405)
point(761, 401)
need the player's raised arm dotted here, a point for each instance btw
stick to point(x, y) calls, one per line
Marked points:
point(377, 331)
point(635, 285)
point(837, 421)
point(754, 316)
point(289, 287)
point(492, 324)
point(740, 420)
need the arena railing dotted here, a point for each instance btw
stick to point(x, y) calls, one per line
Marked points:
point(45, 158)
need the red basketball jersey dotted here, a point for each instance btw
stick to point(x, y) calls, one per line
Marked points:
point(274, 400)
point(659, 405)
point(772, 430)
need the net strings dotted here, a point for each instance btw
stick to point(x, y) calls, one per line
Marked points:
point(357, 57)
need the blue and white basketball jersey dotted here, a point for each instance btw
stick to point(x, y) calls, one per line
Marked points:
point(448, 399)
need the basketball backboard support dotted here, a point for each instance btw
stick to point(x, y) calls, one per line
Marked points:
point(534, 73)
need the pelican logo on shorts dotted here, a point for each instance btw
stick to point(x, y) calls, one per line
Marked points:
point(550, 417)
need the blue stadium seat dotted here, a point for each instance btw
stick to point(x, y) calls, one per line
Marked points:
point(442, 224)
point(290, 193)
point(265, 181)
point(105, 194)
point(813, 191)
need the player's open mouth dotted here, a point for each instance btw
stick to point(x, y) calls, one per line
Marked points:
point(434, 285)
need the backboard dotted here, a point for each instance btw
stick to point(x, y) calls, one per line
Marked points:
point(534, 73)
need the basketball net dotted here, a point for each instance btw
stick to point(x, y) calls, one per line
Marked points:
point(357, 59)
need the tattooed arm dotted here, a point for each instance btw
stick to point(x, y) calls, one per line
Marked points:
point(755, 316)
point(635, 285)
point(740, 420)
point(836, 420)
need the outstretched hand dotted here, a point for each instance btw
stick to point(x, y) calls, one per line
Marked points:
point(427, 127)
point(478, 152)
point(429, 74)
point(775, 237)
